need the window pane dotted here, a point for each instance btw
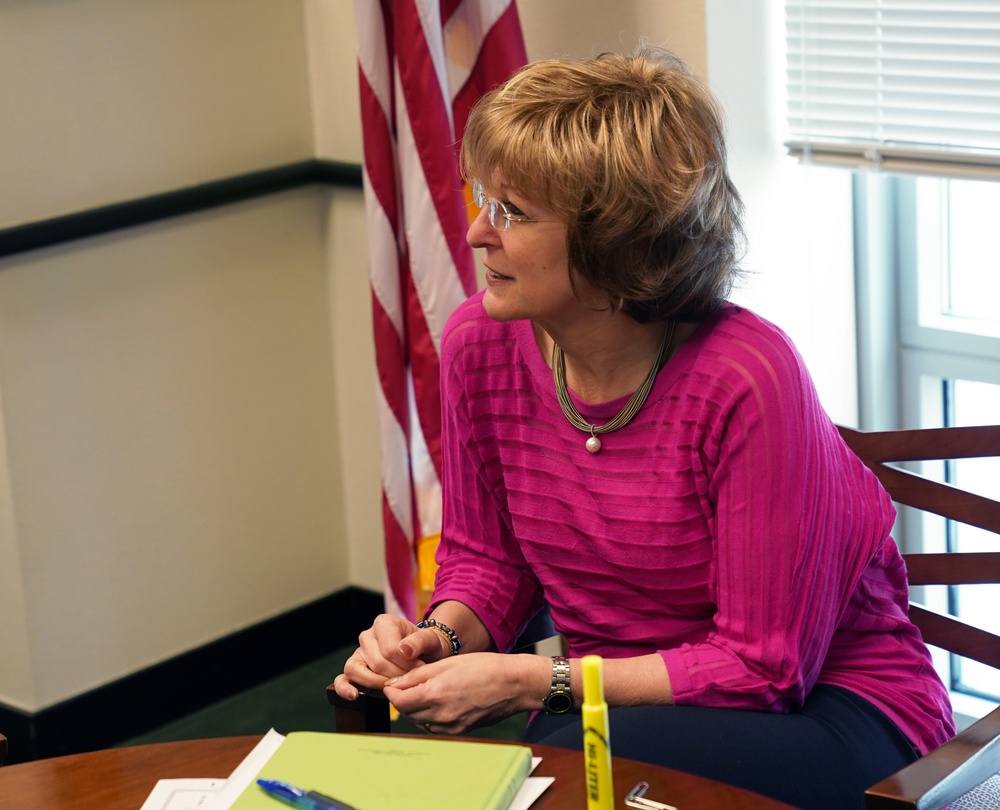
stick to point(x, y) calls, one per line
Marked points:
point(973, 271)
point(958, 265)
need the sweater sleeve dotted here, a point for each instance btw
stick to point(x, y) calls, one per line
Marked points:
point(481, 563)
point(783, 496)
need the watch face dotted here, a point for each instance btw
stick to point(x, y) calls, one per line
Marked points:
point(558, 703)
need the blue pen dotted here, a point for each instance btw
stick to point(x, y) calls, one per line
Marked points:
point(303, 799)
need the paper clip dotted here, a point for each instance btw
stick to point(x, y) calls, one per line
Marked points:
point(635, 799)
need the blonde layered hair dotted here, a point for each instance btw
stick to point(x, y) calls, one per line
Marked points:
point(629, 151)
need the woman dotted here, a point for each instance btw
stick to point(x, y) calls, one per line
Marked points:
point(654, 464)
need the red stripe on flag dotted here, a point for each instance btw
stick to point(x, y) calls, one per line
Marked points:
point(448, 8)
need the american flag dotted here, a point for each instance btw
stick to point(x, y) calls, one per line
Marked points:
point(422, 65)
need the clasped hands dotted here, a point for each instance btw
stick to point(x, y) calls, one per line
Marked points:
point(415, 670)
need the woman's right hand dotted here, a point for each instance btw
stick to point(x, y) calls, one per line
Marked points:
point(391, 647)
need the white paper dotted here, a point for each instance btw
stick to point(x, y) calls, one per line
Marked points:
point(246, 771)
point(533, 787)
point(182, 794)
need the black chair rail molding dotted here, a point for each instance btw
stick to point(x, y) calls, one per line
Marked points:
point(142, 211)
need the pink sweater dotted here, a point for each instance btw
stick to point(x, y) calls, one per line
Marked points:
point(727, 526)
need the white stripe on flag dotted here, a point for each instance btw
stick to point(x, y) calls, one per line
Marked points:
point(383, 254)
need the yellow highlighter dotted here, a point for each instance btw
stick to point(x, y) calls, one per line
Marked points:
point(596, 736)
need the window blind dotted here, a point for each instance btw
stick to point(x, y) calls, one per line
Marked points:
point(899, 85)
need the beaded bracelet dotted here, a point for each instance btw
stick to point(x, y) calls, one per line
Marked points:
point(445, 630)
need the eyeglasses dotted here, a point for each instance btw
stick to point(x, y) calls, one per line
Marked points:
point(499, 213)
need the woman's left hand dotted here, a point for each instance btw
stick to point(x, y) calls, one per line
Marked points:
point(463, 692)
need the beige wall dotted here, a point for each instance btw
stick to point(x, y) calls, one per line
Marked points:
point(555, 28)
point(107, 100)
point(183, 407)
point(172, 444)
point(188, 441)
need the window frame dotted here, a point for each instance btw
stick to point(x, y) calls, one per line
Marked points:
point(903, 362)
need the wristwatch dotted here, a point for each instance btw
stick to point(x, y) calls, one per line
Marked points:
point(559, 700)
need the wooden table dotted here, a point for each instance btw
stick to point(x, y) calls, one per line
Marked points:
point(122, 778)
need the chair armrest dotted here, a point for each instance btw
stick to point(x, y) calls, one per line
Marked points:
point(369, 713)
point(946, 773)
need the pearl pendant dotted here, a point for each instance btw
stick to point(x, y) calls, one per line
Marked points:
point(593, 445)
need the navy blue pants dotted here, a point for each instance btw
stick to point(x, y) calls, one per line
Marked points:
point(822, 756)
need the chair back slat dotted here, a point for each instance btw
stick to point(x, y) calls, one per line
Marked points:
point(915, 490)
point(968, 568)
point(924, 444)
point(957, 636)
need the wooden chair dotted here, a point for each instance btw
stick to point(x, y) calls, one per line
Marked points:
point(968, 764)
point(965, 768)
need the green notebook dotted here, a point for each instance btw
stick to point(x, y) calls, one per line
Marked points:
point(393, 772)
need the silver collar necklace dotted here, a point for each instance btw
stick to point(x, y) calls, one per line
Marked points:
point(625, 415)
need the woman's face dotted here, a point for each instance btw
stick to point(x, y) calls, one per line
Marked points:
point(527, 267)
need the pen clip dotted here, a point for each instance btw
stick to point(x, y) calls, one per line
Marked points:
point(635, 799)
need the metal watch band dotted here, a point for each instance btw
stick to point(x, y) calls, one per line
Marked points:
point(560, 699)
point(560, 673)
